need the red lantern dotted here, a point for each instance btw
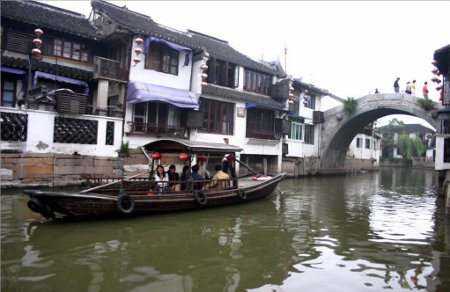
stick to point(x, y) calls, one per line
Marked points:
point(204, 67)
point(38, 32)
point(138, 51)
point(204, 76)
point(291, 95)
point(36, 52)
point(204, 84)
point(291, 88)
point(201, 158)
point(435, 62)
point(290, 101)
point(139, 41)
point(136, 60)
point(156, 156)
point(37, 42)
point(184, 157)
point(438, 73)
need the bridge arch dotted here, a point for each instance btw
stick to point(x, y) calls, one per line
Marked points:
point(339, 129)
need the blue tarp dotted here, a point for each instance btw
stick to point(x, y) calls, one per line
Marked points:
point(145, 92)
point(39, 74)
point(12, 70)
point(171, 45)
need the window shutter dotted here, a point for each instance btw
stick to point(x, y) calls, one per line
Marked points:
point(236, 77)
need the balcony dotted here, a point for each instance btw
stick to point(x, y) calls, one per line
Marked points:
point(108, 69)
point(263, 134)
point(157, 130)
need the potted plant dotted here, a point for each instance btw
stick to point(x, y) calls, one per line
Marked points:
point(124, 149)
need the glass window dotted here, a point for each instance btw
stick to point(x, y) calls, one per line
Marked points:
point(296, 131)
point(161, 58)
point(57, 48)
point(256, 82)
point(309, 134)
point(70, 50)
point(218, 116)
point(8, 93)
point(67, 50)
point(367, 143)
point(359, 142)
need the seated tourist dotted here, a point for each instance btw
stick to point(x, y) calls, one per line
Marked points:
point(221, 180)
point(162, 179)
point(184, 177)
point(196, 176)
point(173, 176)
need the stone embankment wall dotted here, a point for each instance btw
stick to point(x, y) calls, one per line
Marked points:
point(48, 169)
point(309, 166)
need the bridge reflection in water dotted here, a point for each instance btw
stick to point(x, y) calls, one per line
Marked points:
point(373, 231)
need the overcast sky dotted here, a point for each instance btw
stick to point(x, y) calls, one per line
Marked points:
point(349, 48)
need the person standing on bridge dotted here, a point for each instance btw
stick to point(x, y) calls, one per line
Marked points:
point(413, 87)
point(408, 87)
point(425, 90)
point(396, 86)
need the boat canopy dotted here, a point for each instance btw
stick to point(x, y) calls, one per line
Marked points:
point(177, 146)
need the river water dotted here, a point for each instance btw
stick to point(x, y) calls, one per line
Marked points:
point(384, 230)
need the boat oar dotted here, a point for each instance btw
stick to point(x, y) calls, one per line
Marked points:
point(245, 165)
point(113, 182)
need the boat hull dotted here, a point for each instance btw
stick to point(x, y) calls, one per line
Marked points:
point(97, 205)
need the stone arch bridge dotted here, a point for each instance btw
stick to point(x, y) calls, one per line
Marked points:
point(339, 129)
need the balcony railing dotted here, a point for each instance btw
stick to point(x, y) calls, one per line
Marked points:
point(109, 69)
point(157, 130)
point(262, 134)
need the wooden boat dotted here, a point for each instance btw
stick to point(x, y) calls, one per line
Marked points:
point(137, 195)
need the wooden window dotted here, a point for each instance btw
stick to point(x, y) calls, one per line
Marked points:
point(161, 58)
point(70, 50)
point(8, 92)
point(309, 134)
point(218, 116)
point(222, 73)
point(256, 82)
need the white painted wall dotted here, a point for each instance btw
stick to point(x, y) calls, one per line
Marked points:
point(373, 152)
point(439, 160)
point(40, 135)
point(139, 73)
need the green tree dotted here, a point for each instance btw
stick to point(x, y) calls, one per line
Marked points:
point(410, 146)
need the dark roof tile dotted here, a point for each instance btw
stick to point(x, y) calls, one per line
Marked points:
point(258, 99)
point(50, 17)
point(142, 24)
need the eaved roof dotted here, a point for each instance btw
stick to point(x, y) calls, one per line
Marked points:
point(412, 128)
point(48, 17)
point(143, 24)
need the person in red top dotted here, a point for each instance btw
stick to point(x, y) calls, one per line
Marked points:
point(425, 90)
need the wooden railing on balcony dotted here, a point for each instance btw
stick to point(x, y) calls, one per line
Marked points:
point(107, 68)
point(157, 130)
point(263, 134)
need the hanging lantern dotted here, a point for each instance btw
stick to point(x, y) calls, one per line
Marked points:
point(439, 88)
point(201, 158)
point(434, 79)
point(435, 62)
point(204, 84)
point(156, 156)
point(204, 67)
point(204, 76)
point(291, 88)
point(438, 73)
point(305, 91)
point(37, 42)
point(305, 102)
point(434, 71)
point(184, 157)
point(139, 41)
point(36, 52)
point(438, 81)
point(38, 32)
point(290, 101)
point(291, 95)
point(136, 60)
point(138, 51)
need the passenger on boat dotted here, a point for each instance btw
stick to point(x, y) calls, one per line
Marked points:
point(184, 177)
point(162, 178)
point(221, 180)
point(196, 176)
point(173, 176)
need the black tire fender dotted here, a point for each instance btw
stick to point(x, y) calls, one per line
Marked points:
point(242, 194)
point(200, 197)
point(38, 206)
point(122, 201)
